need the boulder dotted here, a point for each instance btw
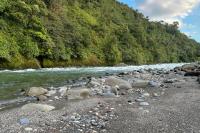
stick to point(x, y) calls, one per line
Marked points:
point(122, 84)
point(36, 91)
point(140, 83)
point(190, 67)
point(192, 73)
point(78, 94)
point(38, 107)
point(42, 98)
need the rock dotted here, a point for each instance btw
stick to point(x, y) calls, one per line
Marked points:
point(170, 80)
point(156, 95)
point(140, 83)
point(139, 100)
point(36, 91)
point(77, 94)
point(63, 90)
point(189, 67)
point(154, 84)
point(108, 94)
point(144, 104)
point(192, 73)
point(24, 121)
point(50, 93)
point(85, 93)
point(198, 80)
point(42, 98)
point(122, 84)
point(38, 107)
point(145, 94)
point(109, 89)
point(28, 129)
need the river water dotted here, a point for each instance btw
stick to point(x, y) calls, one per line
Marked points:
point(12, 81)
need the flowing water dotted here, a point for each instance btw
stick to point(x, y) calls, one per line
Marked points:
point(11, 82)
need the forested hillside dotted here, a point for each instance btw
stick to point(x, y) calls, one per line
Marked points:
point(51, 33)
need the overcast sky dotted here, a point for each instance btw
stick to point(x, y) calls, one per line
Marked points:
point(186, 12)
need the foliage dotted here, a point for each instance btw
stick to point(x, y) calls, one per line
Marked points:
point(86, 32)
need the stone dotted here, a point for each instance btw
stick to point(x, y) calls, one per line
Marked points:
point(140, 83)
point(113, 82)
point(156, 95)
point(50, 93)
point(85, 93)
point(63, 90)
point(154, 84)
point(139, 100)
point(78, 94)
point(24, 121)
point(192, 73)
point(28, 129)
point(38, 107)
point(36, 91)
point(170, 80)
point(42, 98)
point(144, 104)
point(146, 94)
point(198, 79)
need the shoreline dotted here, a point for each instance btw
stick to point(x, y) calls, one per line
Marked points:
point(104, 108)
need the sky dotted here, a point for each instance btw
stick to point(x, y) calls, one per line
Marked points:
point(186, 12)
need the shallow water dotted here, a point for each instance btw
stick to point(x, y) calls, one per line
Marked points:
point(11, 82)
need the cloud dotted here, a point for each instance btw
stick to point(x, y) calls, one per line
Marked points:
point(168, 10)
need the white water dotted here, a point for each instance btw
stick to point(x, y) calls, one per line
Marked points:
point(98, 69)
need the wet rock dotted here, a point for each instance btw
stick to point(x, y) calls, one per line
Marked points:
point(38, 107)
point(122, 84)
point(189, 67)
point(170, 80)
point(192, 73)
point(36, 91)
point(63, 90)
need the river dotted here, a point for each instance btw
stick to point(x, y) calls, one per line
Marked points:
point(12, 81)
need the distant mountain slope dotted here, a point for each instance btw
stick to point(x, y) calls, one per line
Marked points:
point(51, 33)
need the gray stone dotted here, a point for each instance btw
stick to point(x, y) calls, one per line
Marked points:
point(144, 104)
point(140, 83)
point(122, 84)
point(38, 107)
point(78, 94)
point(24, 121)
point(42, 98)
point(36, 91)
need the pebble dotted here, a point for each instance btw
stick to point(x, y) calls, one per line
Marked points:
point(139, 100)
point(155, 95)
point(28, 129)
point(144, 104)
point(24, 121)
point(146, 94)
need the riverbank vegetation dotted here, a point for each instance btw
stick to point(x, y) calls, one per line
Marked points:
point(49, 33)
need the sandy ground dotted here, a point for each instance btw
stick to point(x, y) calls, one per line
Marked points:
point(175, 110)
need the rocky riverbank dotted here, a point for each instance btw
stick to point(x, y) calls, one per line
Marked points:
point(139, 101)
